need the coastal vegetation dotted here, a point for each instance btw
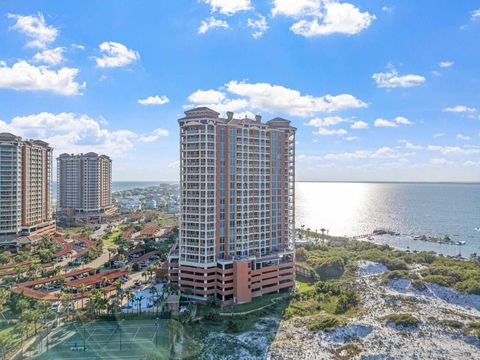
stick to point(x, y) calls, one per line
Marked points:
point(402, 320)
point(337, 258)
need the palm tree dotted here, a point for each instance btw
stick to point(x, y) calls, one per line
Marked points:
point(131, 299)
point(111, 251)
point(153, 291)
point(139, 301)
point(151, 270)
point(121, 258)
point(174, 331)
point(82, 289)
point(322, 230)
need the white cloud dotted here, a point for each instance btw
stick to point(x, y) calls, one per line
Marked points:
point(410, 146)
point(73, 133)
point(384, 152)
point(384, 123)
point(272, 99)
point(217, 100)
point(115, 55)
point(174, 164)
point(359, 125)
point(392, 79)
point(454, 150)
point(77, 133)
point(207, 97)
point(258, 26)
point(358, 154)
point(35, 28)
point(388, 9)
point(462, 137)
point(439, 161)
point(228, 7)
point(24, 76)
point(297, 8)
point(471, 163)
point(328, 132)
point(154, 100)
point(403, 120)
point(343, 18)
point(439, 135)
point(212, 23)
point(276, 98)
point(78, 46)
point(156, 134)
point(352, 138)
point(460, 109)
point(50, 56)
point(323, 17)
point(476, 14)
point(446, 64)
point(326, 121)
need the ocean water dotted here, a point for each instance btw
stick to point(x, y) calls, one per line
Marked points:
point(408, 208)
point(120, 185)
point(126, 185)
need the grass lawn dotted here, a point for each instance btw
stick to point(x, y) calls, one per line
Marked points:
point(71, 231)
point(303, 285)
point(256, 303)
point(15, 336)
point(110, 241)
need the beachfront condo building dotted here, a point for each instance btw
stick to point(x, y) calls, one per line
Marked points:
point(84, 185)
point(25, 188)
point(237, 181)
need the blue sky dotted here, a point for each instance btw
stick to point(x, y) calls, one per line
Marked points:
point(379, 90)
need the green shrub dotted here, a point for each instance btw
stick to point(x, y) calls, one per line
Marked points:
point(395, 264)
point(233, 326)
point(326, 323)
point(471, 286)
point(346, 301)
point(455, 324)
point(439, 279)
point(332, 268)
point(402, 320)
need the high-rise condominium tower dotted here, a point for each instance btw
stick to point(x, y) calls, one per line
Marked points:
point(25, 187)
point(84, 183)
point(237, 211)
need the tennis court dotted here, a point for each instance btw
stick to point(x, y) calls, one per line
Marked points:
point(127, 339)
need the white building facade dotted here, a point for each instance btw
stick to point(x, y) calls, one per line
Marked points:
point(25, 187)
point(84, 183)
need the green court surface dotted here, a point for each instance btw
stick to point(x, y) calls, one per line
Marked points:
point(128, 339)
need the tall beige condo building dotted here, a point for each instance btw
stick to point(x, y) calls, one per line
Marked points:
point(25, 187)
point(84, 183)
point(237, 207)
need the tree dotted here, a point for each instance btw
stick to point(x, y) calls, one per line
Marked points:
point(19, 270)
point(322, 230)
point(151, 269)
point(5, 342)
point(45, 255)
point(4, 296)
point(82, 289)
point(139, 300)
point(5, 257)
point(174, 332)
point(131, 299)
